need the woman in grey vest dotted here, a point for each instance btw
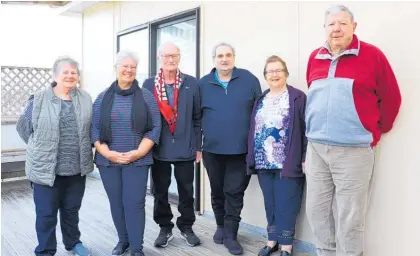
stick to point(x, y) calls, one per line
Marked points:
point(56, 126)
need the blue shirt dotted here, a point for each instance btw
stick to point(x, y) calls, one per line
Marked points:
point(170, 93)
point(223, 84)
point(123, 137)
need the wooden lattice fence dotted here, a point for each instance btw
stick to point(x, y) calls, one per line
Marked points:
point(17, 83)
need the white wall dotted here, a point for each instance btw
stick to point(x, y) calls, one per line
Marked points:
point(292, 30)
point(34, 36)
point(99, 47)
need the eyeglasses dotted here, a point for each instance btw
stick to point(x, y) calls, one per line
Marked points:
point(272, 72)
point(168, 56)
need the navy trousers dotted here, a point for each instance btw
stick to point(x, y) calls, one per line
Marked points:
point(184, 175)
point(282, 200)
point(65, 196)
point(126, 189)
point(228, 182)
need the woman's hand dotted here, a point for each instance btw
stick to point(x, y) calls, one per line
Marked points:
point(131, 156)
point(123, 158)
point(116, 157)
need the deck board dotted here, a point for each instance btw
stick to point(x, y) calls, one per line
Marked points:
point(98, 232)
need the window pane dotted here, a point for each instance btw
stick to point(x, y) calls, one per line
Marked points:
point(184, 35)
point(138, 42)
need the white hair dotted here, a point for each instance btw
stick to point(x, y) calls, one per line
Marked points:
point(125, 54)
point(162, 46)
point(338, 8)
point(58, 63)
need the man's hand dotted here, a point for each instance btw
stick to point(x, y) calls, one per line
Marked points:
point(198, 156)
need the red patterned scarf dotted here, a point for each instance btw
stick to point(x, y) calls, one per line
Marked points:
point(170, 114)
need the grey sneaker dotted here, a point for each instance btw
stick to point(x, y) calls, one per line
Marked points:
point(190, 238)
point(164, 237)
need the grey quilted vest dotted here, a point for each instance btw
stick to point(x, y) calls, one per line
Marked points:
point(42, 149)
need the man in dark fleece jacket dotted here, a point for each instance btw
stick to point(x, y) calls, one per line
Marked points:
point(178, 98)
point(227, 97)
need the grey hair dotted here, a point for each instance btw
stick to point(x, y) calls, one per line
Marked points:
point(64, 60)
point(125, 54)
point(222, 44)
point(166, 44)
point(338, 8)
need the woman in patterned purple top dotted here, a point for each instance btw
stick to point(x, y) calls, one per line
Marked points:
point(276, 152)
point(125, 126)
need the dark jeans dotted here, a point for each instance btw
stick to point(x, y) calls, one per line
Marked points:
point(282, 200)
point(184, 175)
point(126, 189)
point(228, 182)
point(65, 195)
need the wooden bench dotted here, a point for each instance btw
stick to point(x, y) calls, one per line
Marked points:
point(13, 163)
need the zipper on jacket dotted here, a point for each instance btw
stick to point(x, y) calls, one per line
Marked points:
point(217, 84)
point(173, 138)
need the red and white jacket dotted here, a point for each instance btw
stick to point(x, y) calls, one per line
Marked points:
point(353, 98)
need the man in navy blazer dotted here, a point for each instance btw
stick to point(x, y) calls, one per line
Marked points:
point(180, 144)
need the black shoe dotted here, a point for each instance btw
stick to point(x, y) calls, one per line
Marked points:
point(284, 253)
point(267, 250)
point(137, 254)
point(164, 237)
point(189, 237)
point(120, 248)
point(233, 246)
point(218, 235)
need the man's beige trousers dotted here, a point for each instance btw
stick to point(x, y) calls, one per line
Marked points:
point(343, 174)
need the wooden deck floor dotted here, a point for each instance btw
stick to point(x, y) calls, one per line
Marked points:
point(18, 235)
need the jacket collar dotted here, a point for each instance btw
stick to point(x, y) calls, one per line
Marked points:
point(325, 51)
point(235, 74)
point(52, 97)
point(293, 93)
point(183, 77)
